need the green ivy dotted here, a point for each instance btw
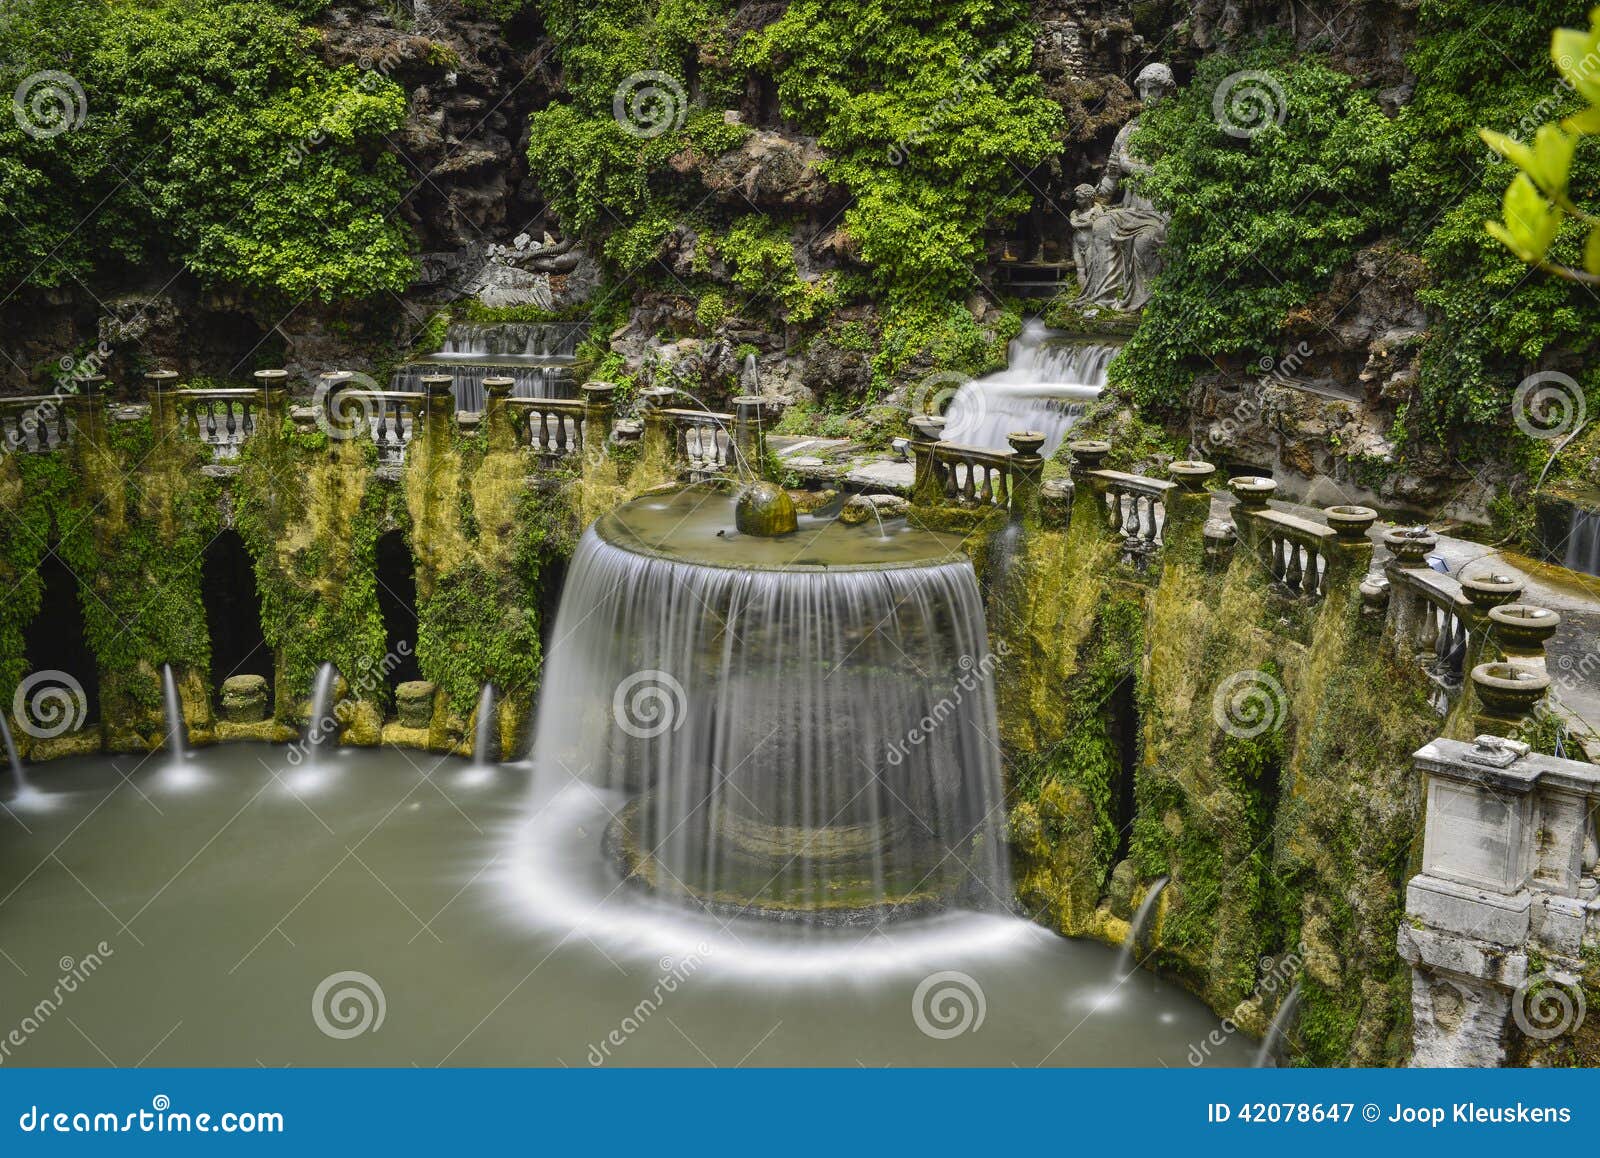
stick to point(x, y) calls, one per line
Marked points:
point(1259, 224)
point(213, 138)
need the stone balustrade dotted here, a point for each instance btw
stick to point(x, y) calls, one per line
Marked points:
point(34, 424)
point(974, 477)
point(222, 419)
point(1508, 878)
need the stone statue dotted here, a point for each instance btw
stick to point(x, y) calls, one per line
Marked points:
point(1082, 218)
point(1124, 240)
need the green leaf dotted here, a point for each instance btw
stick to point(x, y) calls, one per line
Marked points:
point(1577, 58)
point(1591, 252)
point(1530, 224)
point(1548, 160)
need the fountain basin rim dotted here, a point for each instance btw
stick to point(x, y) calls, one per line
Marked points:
point(942, 549)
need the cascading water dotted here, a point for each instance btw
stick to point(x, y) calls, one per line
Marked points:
point(1583, 542)
point(805, 724)
point(1272, 1044)
point(1136, 928)
point(483, 739)
point(172, 706)
point(322, 723)
point(538, 357)
point(1046, 387)
point(19, 780)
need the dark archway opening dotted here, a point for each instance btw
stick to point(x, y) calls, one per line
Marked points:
point(397, 602)
point(1125, 734)
point(55, 640)
point(552, 581)
point(233, 614)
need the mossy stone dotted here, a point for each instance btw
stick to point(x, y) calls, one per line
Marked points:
point(414, 702)
point(765, 510)
point(244, 699)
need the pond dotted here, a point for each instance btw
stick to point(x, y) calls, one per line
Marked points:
point(396, 908)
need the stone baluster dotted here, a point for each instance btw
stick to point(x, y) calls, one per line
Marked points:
point(1522, 631)
point(274, 387)
point(1253, 493)
point(1088, 500)
point(599, 410)
point(660, 440)
point(440, 409)
point(499, 426)
point(1027, 475)
point(159, 385)
point(1350, 557)
point(751, 416)
point(1188, 507)
point(1408, 610)
point(86, 409)
point(1487, 592)
point(927, 489)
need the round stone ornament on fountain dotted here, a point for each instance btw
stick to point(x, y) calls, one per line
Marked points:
point(764, 509)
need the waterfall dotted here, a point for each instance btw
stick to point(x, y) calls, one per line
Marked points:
point(18, 779)
point(809, 742)
point(484, 737)
point(1583, 542)
point(1136, 928)
point(538, 357)
point(1047, 386)
point(322, 719)
point(177, 732)
point(1273, 1042)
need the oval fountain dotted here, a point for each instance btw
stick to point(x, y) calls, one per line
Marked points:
point(799, 712)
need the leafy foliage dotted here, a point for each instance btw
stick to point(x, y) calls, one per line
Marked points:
point(933, 116)
point(1259, 224)
point(212, 139)
point(1492, 320)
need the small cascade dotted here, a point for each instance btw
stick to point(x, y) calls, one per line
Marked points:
point(484, 737)
point(1136, 928)
point(537, 356)
point(1272, 1044)
point(19, 781)
point(1047, 386)
point(321, 710)
point(1583, 542)
point(172, 705)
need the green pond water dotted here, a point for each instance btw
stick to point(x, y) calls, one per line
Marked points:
point(390, 908)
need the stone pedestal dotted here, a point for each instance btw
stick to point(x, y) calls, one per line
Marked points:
point(414, 703)
point(1506, 874)
point(244, 699)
